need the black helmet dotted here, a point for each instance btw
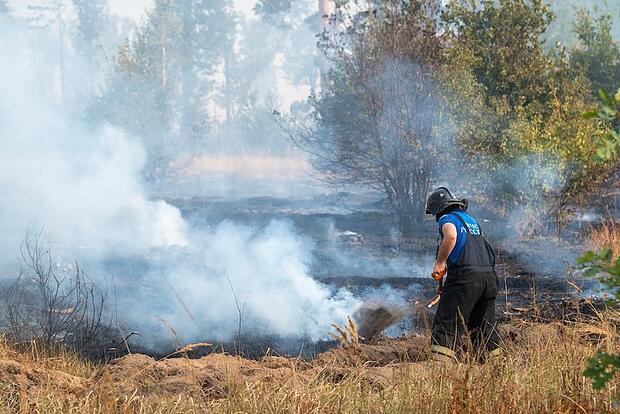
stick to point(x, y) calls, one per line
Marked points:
point(440, 200)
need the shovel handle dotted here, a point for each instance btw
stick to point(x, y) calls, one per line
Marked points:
point(434, 301)
point(437, 297)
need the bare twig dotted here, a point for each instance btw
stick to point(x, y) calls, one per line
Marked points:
point(240, 313)
point(56, 305)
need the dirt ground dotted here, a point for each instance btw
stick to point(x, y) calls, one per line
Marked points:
point(213, 376)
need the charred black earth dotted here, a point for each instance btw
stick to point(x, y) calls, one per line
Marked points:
point(355, 247)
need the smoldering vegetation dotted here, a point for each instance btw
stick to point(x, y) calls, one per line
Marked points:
point(160, 168)
point(76, 187)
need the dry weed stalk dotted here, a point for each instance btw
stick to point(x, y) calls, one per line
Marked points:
point(529, 224)
point(347, 337)
point(57, 305)
point(190, 347)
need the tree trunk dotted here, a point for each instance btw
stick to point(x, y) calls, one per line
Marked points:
point(408, 196)
point(324, 11)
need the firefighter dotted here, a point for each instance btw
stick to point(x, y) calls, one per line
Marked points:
point(467, 303)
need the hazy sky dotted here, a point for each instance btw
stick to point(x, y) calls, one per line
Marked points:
point(133, 9)
point(129, 8)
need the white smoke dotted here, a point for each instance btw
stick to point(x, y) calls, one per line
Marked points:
point(83, 186)
point(262, 272)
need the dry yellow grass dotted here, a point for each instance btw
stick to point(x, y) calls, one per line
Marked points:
point(606, 235)
point(347, 337)
point(541, 373)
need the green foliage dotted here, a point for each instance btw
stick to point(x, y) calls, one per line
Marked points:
point(603, 367)
point(609, 113)
point(532, 99)
point(597, 54)
point(512, 106)
point(502, 41)
point(603, 263)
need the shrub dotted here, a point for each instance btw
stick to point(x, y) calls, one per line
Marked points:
point(56, 304)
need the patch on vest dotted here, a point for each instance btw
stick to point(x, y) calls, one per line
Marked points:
point(474, 229)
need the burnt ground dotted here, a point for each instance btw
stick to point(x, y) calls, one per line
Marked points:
point(355, 247)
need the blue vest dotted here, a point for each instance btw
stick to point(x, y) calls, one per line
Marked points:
point(461, 231)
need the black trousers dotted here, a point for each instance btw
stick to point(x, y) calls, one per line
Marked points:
point(467, 305)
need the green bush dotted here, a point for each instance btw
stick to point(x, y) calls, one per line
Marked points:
point(608, 112)
point(603, 367)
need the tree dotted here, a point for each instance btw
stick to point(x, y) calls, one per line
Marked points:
point(275, 12)
point(277, 47)
point(533, 98)
point(164, 76)
point(297, 25)
point(52, 14)
point(140, 94)
point(597, 54)
point(503, 44)
point(562, 29)
point(256, 51)
point(92, 19)
point(609, 113)
point(89, 40)
point(560, 147)
point(378, 123)
point(208, 30)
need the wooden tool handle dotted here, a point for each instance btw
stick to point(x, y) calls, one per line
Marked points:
point(434, 301)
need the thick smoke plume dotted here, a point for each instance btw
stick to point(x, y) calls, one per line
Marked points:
point(240, 275)
point(83, 185)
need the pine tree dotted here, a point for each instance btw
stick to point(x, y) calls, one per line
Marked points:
point(162, 78)
point(207, 36)
point(92, 19)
